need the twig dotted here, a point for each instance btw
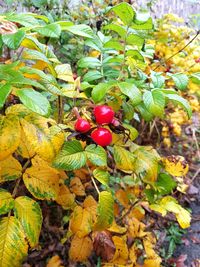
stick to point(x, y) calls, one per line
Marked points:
point(92, 178)
point(128, 211)
point(195, 175)
point(178, 50)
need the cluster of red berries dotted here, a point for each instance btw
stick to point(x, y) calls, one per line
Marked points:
point(103, 115)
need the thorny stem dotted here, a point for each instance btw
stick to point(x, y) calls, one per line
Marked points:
point(92, 178)
point(198, 32)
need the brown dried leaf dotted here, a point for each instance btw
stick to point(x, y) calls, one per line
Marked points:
point(104, 246)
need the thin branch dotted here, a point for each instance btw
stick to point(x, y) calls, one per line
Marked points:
point(93, 180)
point(178, 50)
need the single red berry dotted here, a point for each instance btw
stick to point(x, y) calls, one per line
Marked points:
point(197, 60)
point(102, 136)
point(103, 114)
point(82, 125)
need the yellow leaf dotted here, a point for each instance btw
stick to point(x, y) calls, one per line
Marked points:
point(29, 214)
point(121, 253)
point(9, 135)
point(42, 181)
point(77, 187)
point(81, 222)
point(133, 254)
point(55, 261)
point(13, 245)
point(170, 204)
point(10, 169)
point(80, 248)
point(46, 142)
point(136, 228)
point(152, 262)
point(117, 229)
point(65, 198)
point(64, 72)
point(175, 165)
point(25, 149)
point(149, 248)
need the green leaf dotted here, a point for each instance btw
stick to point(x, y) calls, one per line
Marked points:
point(165, 183)
point(100, 90)
point(28, 212)
point(92, 76)
point(71, 157)
point(14, 40)
point(89, 62)
point(104, 211)
point(116, 28)
point(195, 77)
point(125, 12)
point(124, 159)
point(6, 201)
point(13, 245)
point(158, 79)
point(5, 90)
point(146, 115)
point(135, 40)
point(80, 30)
point(180, 101)
point(132, 131)
point(96, 154)
point(135, 54)
point(35, 101)
point(180, 80)
point(142, 17)
point(154, 102)
point(25, 19)
point(35, 55)
point(131, 91)
point(51, 30)
point(114, 44)
point(102, 176)
point(138, 25)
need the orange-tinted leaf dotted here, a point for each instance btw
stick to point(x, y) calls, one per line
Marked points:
point(121, 195)
point(77, 187)
point(65, 198)
point(80, 248)
point(55, 261)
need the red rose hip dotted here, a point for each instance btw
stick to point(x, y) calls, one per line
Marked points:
point(82, 125)
point(103, 114)
point(102, 136)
